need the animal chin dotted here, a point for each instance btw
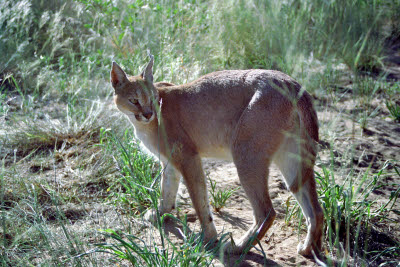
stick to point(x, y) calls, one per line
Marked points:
point(140, 118)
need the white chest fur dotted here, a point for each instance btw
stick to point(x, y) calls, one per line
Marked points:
point(149, 142)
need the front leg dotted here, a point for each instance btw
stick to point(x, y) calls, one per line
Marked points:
point(169, 188)
point(195, 180)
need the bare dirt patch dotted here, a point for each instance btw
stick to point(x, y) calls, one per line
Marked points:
point(361, 150)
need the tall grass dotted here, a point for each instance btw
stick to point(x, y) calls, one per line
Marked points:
point(46, 45)
point(26, 235)
point(350, 214)
point(280, 34)
point(54, 99)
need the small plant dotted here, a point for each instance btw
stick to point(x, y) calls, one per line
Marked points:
point(164, 252)
point(137, 186)
point(394, 110)
point(219, 197)
point(365, 116)
point(350, 213)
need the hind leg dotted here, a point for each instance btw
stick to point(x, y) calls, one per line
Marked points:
point(308, 201)
point(296, 162)
point(258, 136)
point(253, 174)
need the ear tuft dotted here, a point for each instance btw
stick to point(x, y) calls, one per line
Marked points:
point(147, 73)
point(118, 76)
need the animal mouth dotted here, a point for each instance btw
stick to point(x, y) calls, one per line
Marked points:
point(143, 119)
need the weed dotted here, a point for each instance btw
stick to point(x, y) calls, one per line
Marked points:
point(394, 110)
point(218, 196)
point(350, 214)
point(138, 251)
point(138, 185)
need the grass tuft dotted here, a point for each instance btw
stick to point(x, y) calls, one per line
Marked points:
point(394, 110)
point(219, 197)
point(351, 216)
point(163, 252)
point(137, 188)
point(60, 160)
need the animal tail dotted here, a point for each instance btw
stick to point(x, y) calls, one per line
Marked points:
point(308, 115)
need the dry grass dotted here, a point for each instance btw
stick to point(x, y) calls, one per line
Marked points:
point(65, 168)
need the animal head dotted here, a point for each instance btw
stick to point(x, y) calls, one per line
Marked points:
point(135, 96)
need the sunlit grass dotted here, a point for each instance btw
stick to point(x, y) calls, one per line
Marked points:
point(55, 99)
point(350, 215)
point(137, 187)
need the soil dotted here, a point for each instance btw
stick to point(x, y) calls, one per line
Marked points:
point(356, 150)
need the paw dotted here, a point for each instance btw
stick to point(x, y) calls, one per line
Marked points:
point(304, 250)
point(230, 248)
point(210, 234)
point(151, 216)
point(309, 250)
point(234, 248)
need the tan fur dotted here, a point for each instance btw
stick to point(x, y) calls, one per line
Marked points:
point(253, 117)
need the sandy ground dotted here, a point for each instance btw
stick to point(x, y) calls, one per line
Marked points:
point(354, 150)
point(372, 147)
point(281, 240)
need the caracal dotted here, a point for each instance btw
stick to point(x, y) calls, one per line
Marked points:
point(252, 117)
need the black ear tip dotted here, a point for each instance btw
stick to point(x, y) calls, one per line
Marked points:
point(149, 54)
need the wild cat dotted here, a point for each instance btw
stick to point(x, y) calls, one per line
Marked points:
point(253, 117)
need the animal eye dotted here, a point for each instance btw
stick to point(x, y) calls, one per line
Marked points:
point(134, 101)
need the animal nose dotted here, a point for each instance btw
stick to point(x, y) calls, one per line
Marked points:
point(148, 115)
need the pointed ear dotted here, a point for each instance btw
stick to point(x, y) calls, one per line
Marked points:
point(118, 76)
point(147, 73)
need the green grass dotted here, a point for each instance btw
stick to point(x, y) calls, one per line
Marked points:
point(351, 213)
point(394, 110)
point(63, 143)
point(137, 188)
point(219, 197)
point(165, 252)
